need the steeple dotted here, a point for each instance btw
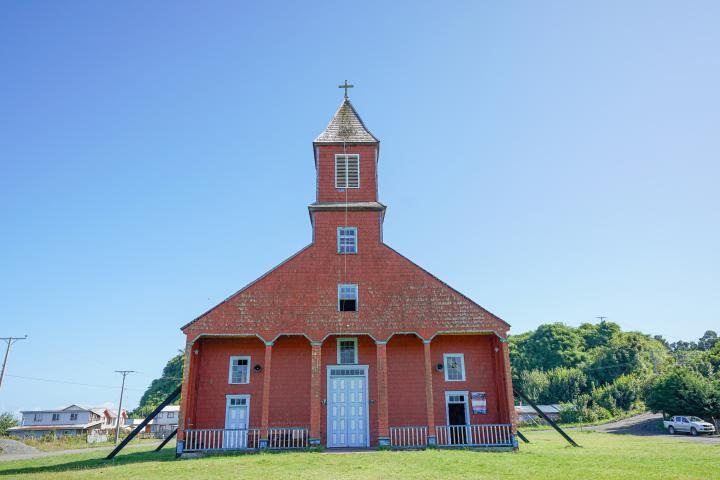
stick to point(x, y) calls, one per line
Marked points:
point(346, 126)
point(346, 157)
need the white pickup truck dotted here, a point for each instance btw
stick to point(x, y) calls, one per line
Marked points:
point(692, 425)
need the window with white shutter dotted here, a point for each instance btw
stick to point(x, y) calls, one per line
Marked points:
point(347, 171)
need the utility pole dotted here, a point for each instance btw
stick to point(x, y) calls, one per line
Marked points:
point(9, 341)
point(124, 373)
point(602, 319)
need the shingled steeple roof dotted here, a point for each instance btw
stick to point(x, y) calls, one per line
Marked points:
point(346, 126)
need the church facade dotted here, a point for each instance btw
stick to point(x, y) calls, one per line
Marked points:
point(347, 343)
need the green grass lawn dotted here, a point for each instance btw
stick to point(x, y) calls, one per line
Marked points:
point(548, 457)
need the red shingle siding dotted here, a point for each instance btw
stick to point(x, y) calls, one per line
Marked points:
point(300, 296)
point(326, 174)
point(406, 381)
point(290, 384)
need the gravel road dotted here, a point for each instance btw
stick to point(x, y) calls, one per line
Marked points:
point(646, 424)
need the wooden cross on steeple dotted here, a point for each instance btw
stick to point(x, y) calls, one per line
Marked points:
point(346, 86)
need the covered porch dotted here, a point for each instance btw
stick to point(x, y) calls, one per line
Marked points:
point(346, 391)
point(498, 436)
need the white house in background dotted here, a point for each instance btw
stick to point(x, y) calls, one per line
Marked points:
point(166, 421)
point(72, 420)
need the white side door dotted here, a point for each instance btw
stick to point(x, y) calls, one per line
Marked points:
point(237, 413)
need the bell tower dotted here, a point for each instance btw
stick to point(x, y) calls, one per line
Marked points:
point(346, 157)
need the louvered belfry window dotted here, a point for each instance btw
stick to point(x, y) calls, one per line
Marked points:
point(347, 171)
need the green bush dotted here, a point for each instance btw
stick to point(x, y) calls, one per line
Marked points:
point(583, 410)
point(7, 420)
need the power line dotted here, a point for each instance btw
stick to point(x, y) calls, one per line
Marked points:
point(9, 341)
point(66, 382)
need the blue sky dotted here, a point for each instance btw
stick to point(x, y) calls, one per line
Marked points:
point(553, 160)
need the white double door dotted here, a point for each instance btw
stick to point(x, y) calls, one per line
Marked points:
point(347, 406)
point(237, 413)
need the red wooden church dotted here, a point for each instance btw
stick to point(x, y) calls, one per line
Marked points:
point(347, 343)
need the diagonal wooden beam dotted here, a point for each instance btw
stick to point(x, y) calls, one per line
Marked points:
point(545, 417)
point(142, 425)
point(167, 439)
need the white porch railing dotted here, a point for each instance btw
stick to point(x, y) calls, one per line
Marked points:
point(408, 437)
point(210, 439)
point(288, 438)
point(219, 439)
point(474, 435)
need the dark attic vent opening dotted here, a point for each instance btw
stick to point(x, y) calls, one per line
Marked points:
point(348, 305)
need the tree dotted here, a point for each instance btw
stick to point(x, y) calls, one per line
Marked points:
point(553, 345)
point(599, 335)
point(681, 391)
point(7, 420)
point(628, 353)
point(161, 387)
point(708, 340)
point(683, 346)
point(623, 394)
point(564, 385)
point(533, 383)
point(518, 359)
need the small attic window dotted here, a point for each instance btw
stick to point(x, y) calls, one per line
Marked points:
point(347, 171)
point(347, 297)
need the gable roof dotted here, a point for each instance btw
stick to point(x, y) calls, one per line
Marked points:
point(346, 126)
point(414, 302)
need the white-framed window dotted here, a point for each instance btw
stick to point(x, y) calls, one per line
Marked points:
point(73, 416)
point(171, 414)
point(55, 417)
point(239, 370)
point(454, 367)
point(347, 239)
point(347, 297)
point(237, 400)
point(37, 417)
point(347, 170)
point(347, 351)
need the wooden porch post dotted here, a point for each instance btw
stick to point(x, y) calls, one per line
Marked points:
point(505, 384)
point(429, 401)
point(315, 393)
point(382, 393)
point(188, 393)
point(265, 417)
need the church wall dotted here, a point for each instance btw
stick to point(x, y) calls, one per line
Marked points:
point(406, 381)
point(479, 374)
point(213, 380)
point(290, 383)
